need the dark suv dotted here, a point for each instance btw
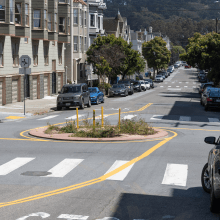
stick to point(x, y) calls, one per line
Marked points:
point(128, 84)
point(74, 95)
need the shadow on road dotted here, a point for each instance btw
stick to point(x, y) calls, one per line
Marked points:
point(190, 204)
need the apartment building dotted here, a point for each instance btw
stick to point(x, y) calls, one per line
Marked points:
point(38, 29)
point(75, 53)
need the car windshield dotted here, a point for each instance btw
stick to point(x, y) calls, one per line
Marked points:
point(136, 83)
point(118, 86)
point(214, 93)
point(92, 90)
point(71, 89)
point(158, 76)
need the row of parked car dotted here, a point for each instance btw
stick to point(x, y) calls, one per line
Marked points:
point(162, 75)
point(210, 95)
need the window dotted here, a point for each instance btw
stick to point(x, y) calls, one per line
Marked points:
point(85, 44)
point(75, 16)
point(81, 71)
point(75, 43)
point(18, 13)
point(68, 25)
point(60, 49)
point(15, 52)
point(99, 20)
point(92, 20)
point(49, 22)
point(26, 14)
point(81, 17)
point(11, 11)
point(37, 19)
point(1, 54)
point(45, 19)
point(25, 40)
point(46, 53)
point(62, 1)
point(80, 44)
point(2, 11)
point(85, 18)
point(62, 25)
point(80, 13)
point(96, 18)
point(53, 43)
point(55, 22)
point(35, 52)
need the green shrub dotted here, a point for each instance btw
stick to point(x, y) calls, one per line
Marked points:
point(51, 128)
point(69, 128)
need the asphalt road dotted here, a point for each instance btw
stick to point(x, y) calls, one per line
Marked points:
point(149, 180)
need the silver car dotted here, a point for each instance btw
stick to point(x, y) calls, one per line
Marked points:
point(72, 95)
point(159, 78)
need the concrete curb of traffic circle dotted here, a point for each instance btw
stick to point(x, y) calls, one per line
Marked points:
point(39, 132)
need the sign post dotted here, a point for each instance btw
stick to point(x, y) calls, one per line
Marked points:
point(25, 62)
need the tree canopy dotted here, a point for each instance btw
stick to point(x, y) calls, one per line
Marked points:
point(113, 56)
point(156, 53)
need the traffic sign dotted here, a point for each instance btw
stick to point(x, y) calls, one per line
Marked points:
point(25, 61)
point(28, 71)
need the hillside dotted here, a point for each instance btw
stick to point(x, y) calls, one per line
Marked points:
point(177, 19)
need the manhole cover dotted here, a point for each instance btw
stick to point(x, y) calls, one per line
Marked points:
point(36, 173)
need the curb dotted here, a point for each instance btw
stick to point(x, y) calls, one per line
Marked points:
point(39, 132)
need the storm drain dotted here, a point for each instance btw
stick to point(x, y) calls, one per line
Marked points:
point(36, 173)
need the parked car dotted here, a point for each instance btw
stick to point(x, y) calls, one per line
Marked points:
point(204, 85)
point(183, 63)
point(159, 78)
point(147, 84)
point(171, 67)
point(203, 97)
point(137, 86)
point(211, 98)
point(96, 95)
point(143, 85)
point(129, 85)
point(210, 177)
point(72, 95)
point(151, 82)
point(169, 70)
point(176, 65)
point(203, 79)
point(187, 66)
point(118, 90)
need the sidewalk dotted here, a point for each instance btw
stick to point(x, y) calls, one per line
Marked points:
point(32, 107)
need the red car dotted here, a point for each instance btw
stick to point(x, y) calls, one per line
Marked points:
point(187, 66)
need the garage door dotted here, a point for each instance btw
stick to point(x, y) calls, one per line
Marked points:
point(59, 82)
point(14, 90)
point(35, 88)
point(0, 93)
point(45, 86)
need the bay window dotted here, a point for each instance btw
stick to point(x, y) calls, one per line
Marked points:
point(92, 20)
point(2, 11)
point(85, 18)
point(62, 26)
point(18, 13)
point(49, 22)
point(11, 5)
point(15, 53)
point(75, 16)
point(45, 19)
point(26, 14)
point(75, 43)
point(55, 22)
point(37, 19)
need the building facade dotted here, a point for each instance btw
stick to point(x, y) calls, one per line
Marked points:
point(38, 29)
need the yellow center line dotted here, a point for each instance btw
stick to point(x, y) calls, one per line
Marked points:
point(93, 181)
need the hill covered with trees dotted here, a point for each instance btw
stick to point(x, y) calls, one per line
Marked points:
point(178, 19)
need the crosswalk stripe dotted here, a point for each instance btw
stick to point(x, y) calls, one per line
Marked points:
point(49, 117)
point(73, 117)
point(157, 117)
point(64, 167)
point(120, 176)
point(213, 119)
point(185, 86)
point(128, 117)
point(185, 118)
point(14, 164)
point(76, 217)
point(175, 174)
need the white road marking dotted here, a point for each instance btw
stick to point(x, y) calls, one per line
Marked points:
point(74, 217)
point(169, 86)
point(157, 117)
point(38, 214)
point(213, 119)
point(73, 117)
point(194, 86)
point(64, 167)
point(122, 174)
point(180, 82)
point(14, 164)
point(177, 86)
point(113, 218)
point(161, 86)
point(100, 116)
point(129, 117)
point(49, 117)
point(185, 86)
point(185, 118)
point(175, 174)
point(174, 89)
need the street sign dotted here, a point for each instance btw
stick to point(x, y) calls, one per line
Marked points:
point(28, 71)
point(25, 61)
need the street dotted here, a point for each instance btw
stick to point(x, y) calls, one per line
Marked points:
point(144, 189)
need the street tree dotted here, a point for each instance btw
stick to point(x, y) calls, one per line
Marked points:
point(156, 53)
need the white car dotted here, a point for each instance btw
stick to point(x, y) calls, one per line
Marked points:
point(143, 85)
point(159, 78)
point(148, 84)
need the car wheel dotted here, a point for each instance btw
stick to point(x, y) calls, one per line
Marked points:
point(201, 102)
point(205, 179)
point(59, 108)
point(214, 202)
point(82, 106)
point(103, 99)
point(89, 104)
point(97, 102)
